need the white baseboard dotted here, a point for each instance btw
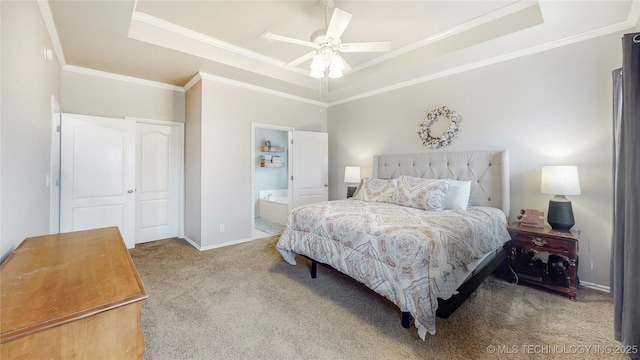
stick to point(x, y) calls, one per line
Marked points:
point(594, 286)
point(191, 242)
point(215, 246)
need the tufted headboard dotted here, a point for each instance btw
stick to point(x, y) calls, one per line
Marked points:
point(488, 170)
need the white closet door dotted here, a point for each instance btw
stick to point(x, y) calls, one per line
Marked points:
point(159, 158)
point(97, 174)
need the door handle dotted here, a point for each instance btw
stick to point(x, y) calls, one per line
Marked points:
point(130, 191)
point(326, 185)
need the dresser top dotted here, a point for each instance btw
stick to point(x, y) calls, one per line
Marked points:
point(546, 231)
point(54, 279)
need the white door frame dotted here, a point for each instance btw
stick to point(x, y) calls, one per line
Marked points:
point(180, 126)
point(252, 165)
point(53, 179)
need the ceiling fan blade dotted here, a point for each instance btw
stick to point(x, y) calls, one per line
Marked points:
point(338, 24)
point(302, 59)
point(368, 46)
point(272, 36)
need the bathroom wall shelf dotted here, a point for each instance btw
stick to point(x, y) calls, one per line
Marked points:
point(271, 165)
point(271, 148)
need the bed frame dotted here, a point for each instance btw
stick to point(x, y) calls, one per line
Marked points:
point(489, 175)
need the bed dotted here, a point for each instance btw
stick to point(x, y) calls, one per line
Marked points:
point(423, 232)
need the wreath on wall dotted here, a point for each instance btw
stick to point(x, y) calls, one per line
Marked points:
point(446, 138)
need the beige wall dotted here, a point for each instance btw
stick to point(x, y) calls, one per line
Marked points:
point(95, 95)
point(28, 81)
point(226, 117)
point(192, 163)
point(550, 108)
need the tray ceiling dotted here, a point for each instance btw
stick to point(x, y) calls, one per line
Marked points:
point(171, 41)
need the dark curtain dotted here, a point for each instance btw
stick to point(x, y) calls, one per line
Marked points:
point(625, 245)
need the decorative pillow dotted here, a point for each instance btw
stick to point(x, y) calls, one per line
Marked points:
point(425, 194)
point(459, 193)
point(379, 190)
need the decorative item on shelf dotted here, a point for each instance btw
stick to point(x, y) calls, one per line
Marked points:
point(531, 217)
point(446, 138)
point(271, 161)
point(351, 176)
point(267, 144)
point(560, 181)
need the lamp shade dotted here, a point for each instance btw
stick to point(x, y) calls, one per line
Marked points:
point(560, 180)
point(336, 67)
point(352, 174)
point(317, 67)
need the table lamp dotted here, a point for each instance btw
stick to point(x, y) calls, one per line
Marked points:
point(351, 176)
point(560, 181)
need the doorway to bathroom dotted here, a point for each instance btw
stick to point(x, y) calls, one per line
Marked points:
point(271, 177)
point(289, 168)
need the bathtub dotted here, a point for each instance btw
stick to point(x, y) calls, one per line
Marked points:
point(274, 205)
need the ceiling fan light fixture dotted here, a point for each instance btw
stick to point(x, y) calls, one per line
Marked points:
point(337, 63)
point(336, 67)
point(327, 43)
point(317, 67)
point(316, 74)
point(317, 64)
point(335, 74)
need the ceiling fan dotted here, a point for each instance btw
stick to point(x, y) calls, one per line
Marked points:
point(327, 44)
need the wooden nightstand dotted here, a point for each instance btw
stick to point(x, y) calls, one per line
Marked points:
point(545, 257)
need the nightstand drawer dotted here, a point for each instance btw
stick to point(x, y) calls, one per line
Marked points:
point(541, 243)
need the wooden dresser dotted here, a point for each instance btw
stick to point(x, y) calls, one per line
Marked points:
point(75, 295)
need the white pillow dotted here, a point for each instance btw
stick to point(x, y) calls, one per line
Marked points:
point(458, 196)
point(425, 194)
point(379, 190)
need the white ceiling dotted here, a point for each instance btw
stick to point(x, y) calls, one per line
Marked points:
point(171, 41)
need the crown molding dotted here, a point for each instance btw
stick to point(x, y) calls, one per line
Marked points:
point(629, 23)
point(222, 80)
point(468, 25)
point(47, 17)
point(129, 79)
point(200, 37)
point(194, 80)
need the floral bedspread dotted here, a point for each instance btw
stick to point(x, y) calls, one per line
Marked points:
point(410, 256)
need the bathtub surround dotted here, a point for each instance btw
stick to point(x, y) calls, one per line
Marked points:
point(274, 205)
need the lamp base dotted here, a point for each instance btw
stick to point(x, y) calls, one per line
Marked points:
point(560, 214)
point(350, 191)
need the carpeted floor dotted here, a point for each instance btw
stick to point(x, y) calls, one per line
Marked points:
point(244, 302)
